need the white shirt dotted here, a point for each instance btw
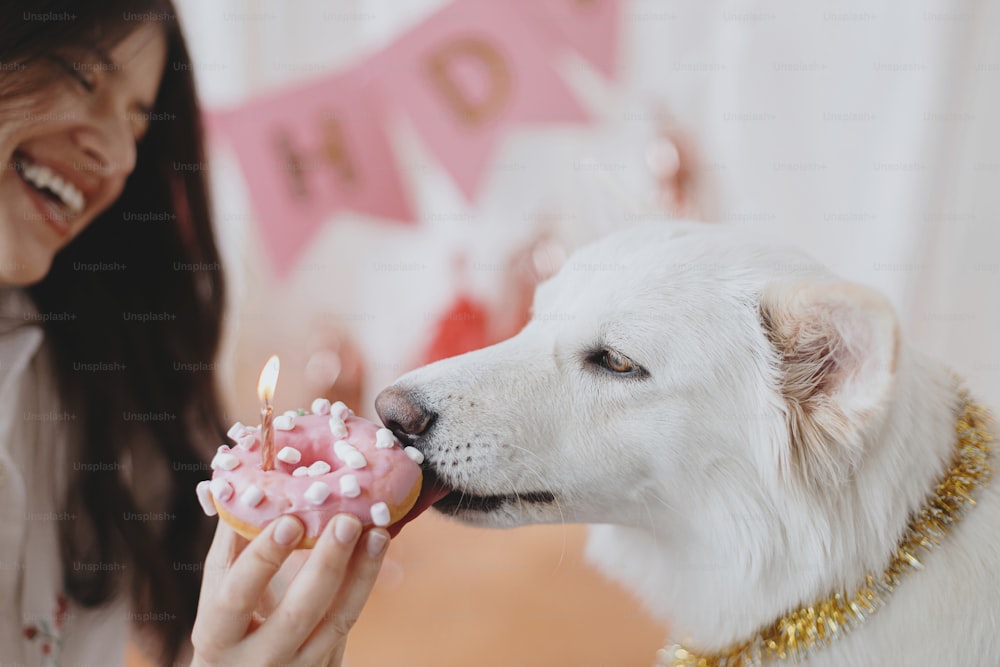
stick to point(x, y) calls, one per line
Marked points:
point(38, 627)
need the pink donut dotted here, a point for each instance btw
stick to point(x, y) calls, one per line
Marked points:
point(326, 463)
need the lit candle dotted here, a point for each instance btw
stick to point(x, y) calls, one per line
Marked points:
point(265, 392)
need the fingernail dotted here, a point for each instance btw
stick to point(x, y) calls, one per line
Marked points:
point(288, 531)
point(347, 528)
point(376, 543)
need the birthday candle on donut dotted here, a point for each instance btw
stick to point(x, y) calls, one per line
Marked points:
point(265, 392)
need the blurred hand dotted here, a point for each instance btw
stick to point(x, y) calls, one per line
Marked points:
point(309, 625)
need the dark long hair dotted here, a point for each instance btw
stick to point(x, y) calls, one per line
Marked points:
point(145, 289)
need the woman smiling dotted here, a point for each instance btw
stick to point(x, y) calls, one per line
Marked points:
point(110, 282)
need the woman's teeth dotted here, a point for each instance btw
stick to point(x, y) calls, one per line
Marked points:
point(43, 178)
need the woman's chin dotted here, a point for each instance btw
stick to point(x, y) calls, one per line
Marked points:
point(17, 271)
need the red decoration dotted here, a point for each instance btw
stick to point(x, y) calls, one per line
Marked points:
point(469, 324)
point(462, 328)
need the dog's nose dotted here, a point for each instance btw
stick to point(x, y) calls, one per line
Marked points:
point(402, 414)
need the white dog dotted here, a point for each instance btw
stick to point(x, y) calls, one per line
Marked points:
point(752, 436)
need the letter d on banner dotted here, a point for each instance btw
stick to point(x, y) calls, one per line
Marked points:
point(443, 65)
point(466, 76)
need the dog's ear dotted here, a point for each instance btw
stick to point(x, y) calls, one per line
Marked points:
point(835, 345)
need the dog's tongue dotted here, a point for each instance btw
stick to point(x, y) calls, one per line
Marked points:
point(431, 492)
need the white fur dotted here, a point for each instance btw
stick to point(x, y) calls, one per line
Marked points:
point(703, 504)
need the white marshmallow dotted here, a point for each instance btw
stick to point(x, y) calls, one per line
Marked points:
point(380, 514)
point(247, 441)
point(301, 471)
point(289, 455)
point(222, 449)
point(236, 430)
point(347, 453)
point(320, 406)
point(349, 487)
point(338, 427)
point(415, 454)
point(225, 461)
point(340, 410)
point(252, 496)
point(284, 422)
point(205, 498)
point(221, 490)
point(319, 468)
point(384, 439)
point(317, 493)
point(291, 413)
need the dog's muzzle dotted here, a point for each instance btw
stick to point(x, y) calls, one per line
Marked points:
point(403, 412)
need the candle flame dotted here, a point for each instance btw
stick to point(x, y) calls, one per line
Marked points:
point(268, 379)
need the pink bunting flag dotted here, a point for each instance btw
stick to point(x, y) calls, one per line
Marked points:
point(466, 75)
point(308, 153)
point(590, 27)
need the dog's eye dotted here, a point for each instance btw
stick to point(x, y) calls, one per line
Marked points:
point(616, 362)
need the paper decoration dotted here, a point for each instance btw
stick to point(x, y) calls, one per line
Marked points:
point(590, 27)
point(308, 153)
point(463, 327)
point(470, 324)
point(465, 77)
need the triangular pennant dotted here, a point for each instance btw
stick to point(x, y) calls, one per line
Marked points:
point(308, 153)
point(468, 74)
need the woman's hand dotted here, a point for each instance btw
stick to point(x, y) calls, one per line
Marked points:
point(309, 625)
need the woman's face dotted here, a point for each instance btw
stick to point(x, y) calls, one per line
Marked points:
point(66, 151)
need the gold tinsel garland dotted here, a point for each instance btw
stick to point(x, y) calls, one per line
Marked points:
point(795, 635)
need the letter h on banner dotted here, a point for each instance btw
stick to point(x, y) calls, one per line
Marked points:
point(309, 153)
point(332, 152)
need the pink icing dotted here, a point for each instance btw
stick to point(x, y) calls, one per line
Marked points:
point(388, 476)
